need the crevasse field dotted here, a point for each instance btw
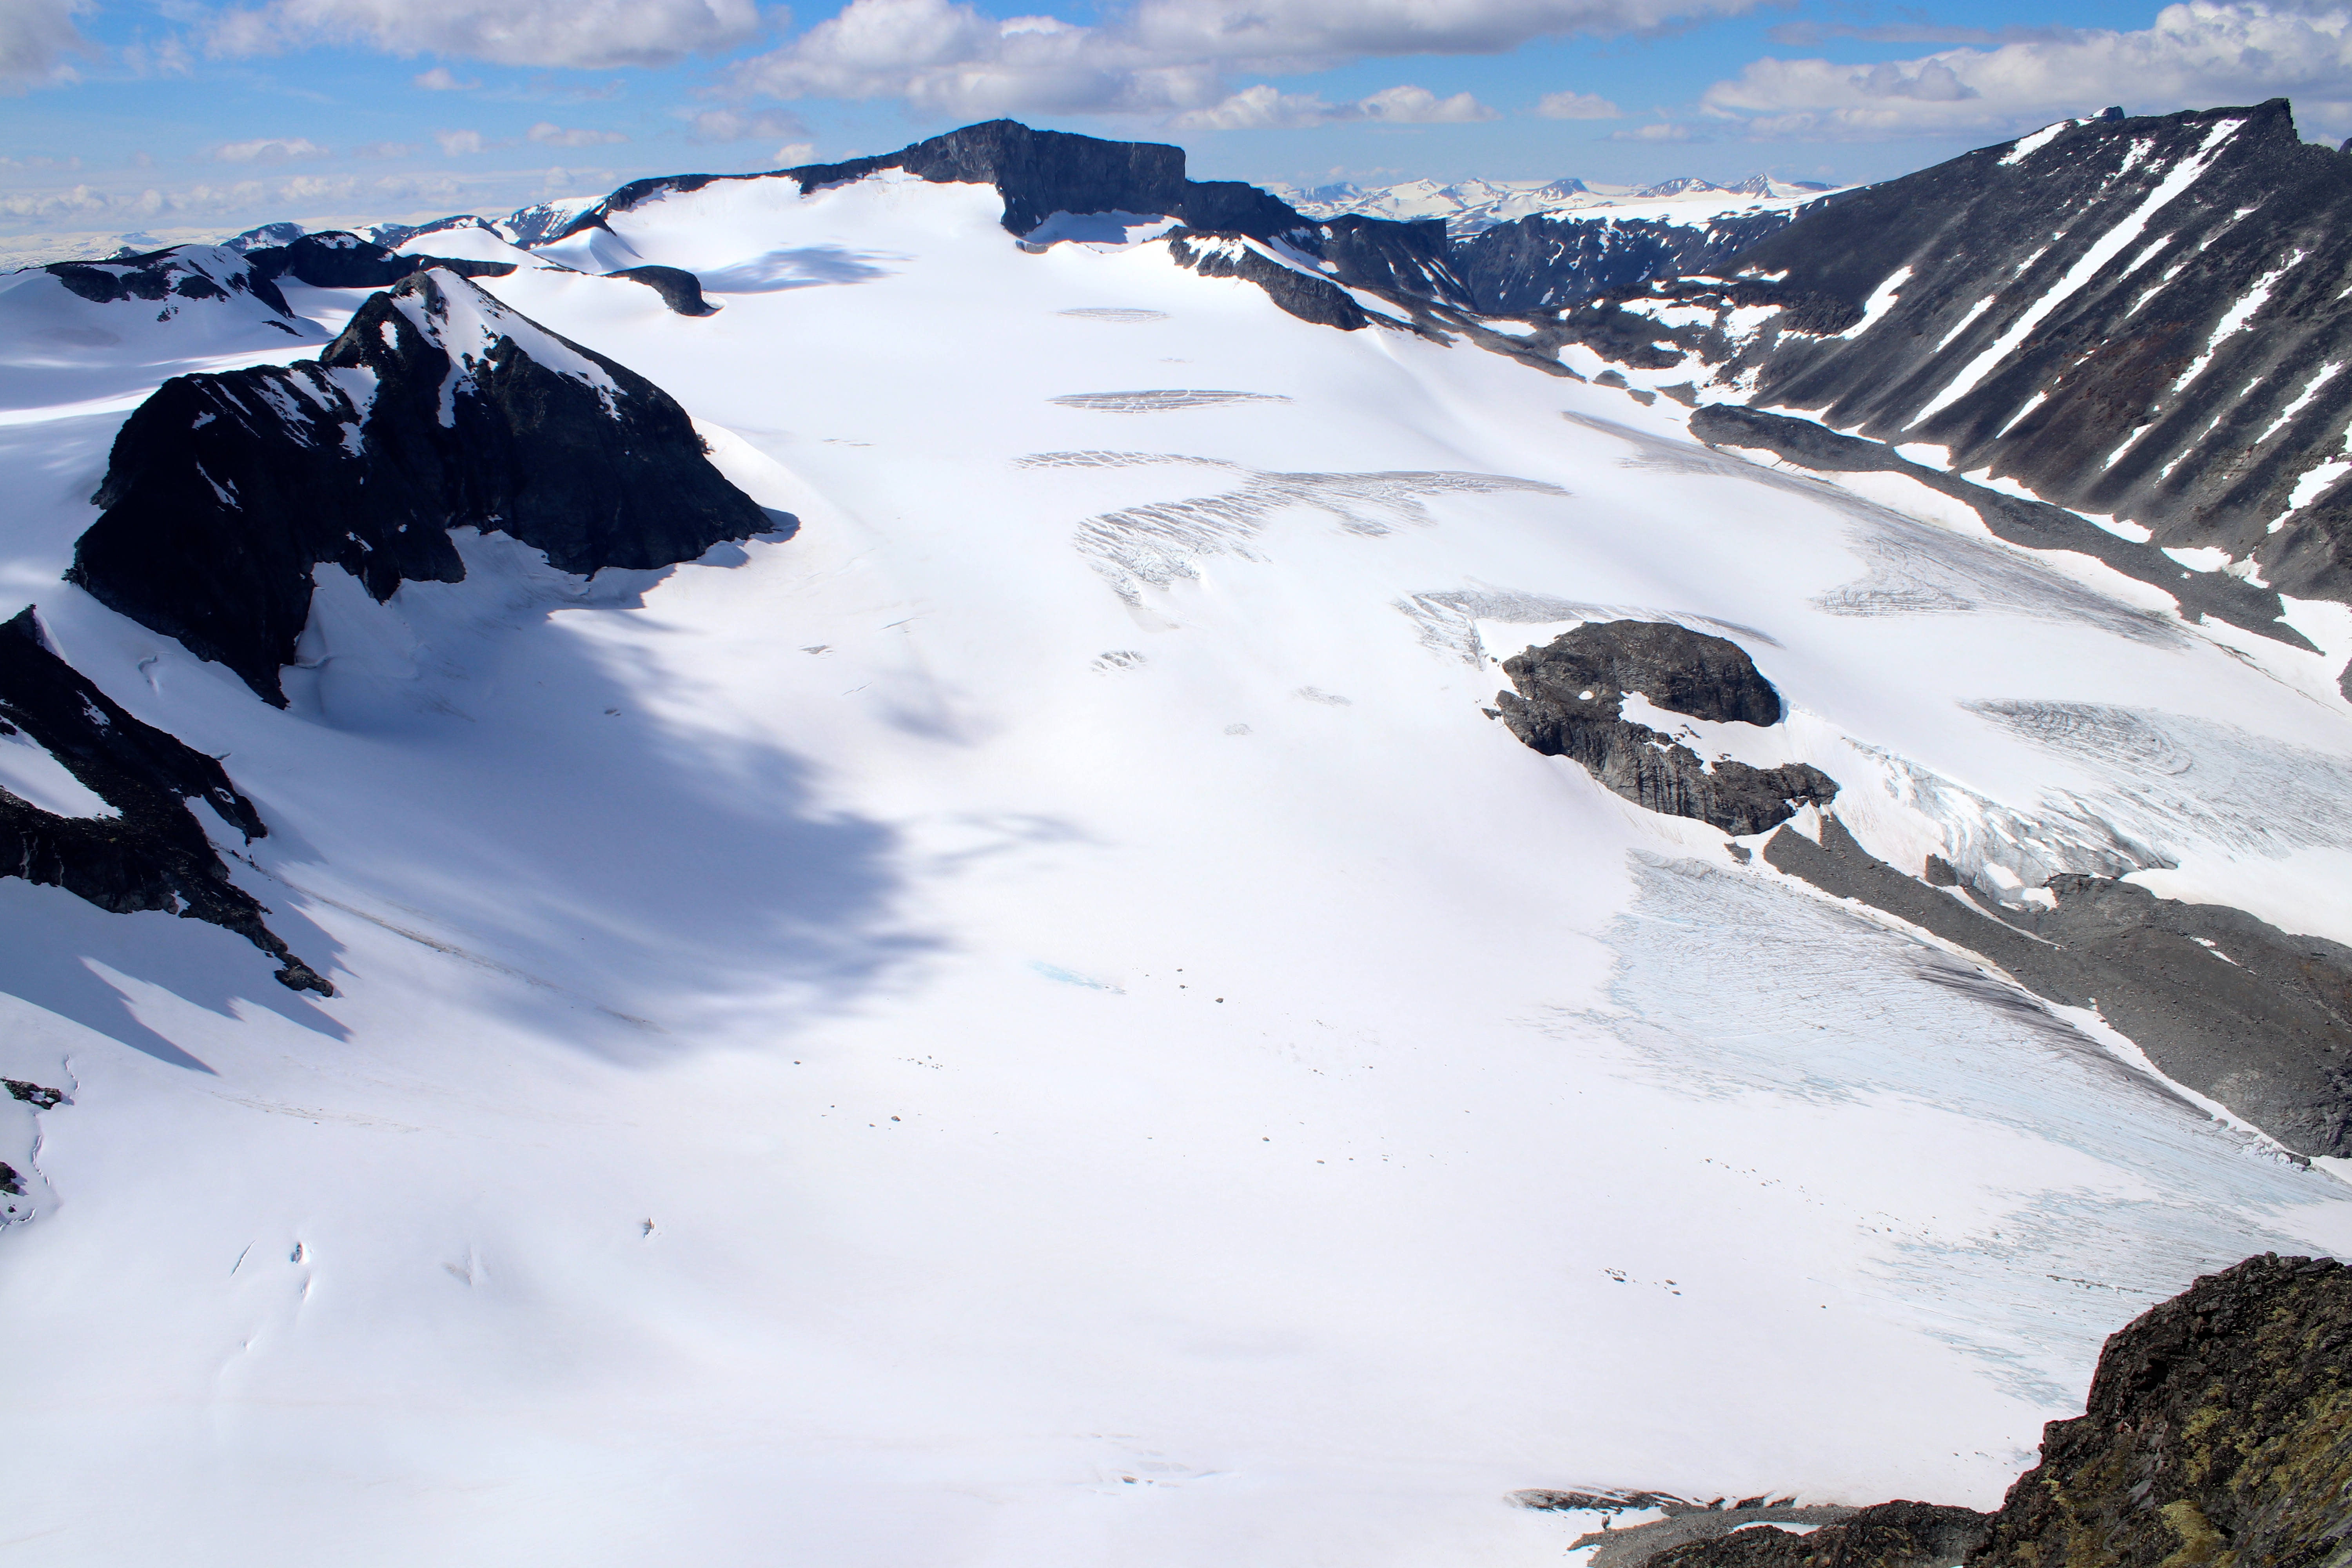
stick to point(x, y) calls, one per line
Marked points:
point(1038, 1020)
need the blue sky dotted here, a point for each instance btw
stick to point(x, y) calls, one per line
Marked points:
point(174, 116)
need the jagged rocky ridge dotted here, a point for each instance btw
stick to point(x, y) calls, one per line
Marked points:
point(1570, 696)
point(2228, 1005)
point(1540, 263)
point(436, 408)
point(2217, 1433)
point(328, 260)
point(2136, 318)
point(152, 854)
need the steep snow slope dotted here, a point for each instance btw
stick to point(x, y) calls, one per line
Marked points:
point(1040, 1021)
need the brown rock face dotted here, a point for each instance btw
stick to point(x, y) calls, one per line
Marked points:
point(2219, 1431)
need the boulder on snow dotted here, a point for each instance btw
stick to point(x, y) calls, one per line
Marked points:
point(1569, 701)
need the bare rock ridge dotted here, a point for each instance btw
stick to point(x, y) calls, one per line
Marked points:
point(2217, 1433)
point(1538, 263)
point(1900, 1534)
point(1569, 701)
point(2254, 1017)
point(152, 854)
point(1038, 173)
point(2140, 318)
point(2034, 524)
point(328, 260)
point(436, 408)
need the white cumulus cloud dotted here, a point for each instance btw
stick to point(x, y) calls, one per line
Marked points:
point(554, 135)
point(580, 34)
point(441, 79)
point(1161, 57)
point(723, 125)
point(459, 144)
point(268, 150)
point(1577, 106)
point(36, 37)
point(1263, 107)
point(1661, 130)
point(2195, 56)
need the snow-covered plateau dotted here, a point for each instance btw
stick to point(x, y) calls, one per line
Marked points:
point(1033, 1012)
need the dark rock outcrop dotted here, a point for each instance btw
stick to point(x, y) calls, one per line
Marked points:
point(2037, 525)
point(2254, 1017)
point(1549, 262)
point(1038, 173)
point(436, 408)
point(680, 290)
point(155, 855)
point(1569, 698)
point(2218, 1431)
point(1898, 1534)
point(1309, 296)
point(334, 260)
point(1395, 259)
point(2141, 317)
point(181, 272)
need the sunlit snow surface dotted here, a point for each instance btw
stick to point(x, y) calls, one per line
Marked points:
point(1037, 1021)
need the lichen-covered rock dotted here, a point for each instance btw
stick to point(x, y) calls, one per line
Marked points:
point(2218, 1432)
point(1570, 700)
point(1899, 1534)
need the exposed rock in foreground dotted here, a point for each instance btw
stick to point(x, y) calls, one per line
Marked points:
point(2218, 1431)
point(1569, 698)
point(1898, 1534)
point(153, 854)
point(2257, 1018)
point(436, 408)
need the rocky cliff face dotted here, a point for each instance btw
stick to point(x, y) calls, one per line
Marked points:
point(1571, 692)
point(152, 854)
point(436, 408)
point(1540, 263)
point(2218, 1431)
point(2140, 318)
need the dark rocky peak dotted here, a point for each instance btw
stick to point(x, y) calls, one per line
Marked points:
point(436, 408)
point(2136, 318)
point(1569, 702)
point(543, 221)
point(1687, 185)
point(1393, 259)
point(1038, 173)
point(399, 234)
point(267, 236)
point(184, 272)
point(152, 854)
point(336, 259)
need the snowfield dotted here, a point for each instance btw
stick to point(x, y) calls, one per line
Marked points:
point(1038, 1020)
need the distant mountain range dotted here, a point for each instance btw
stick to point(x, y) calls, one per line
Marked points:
point(1469, 206)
